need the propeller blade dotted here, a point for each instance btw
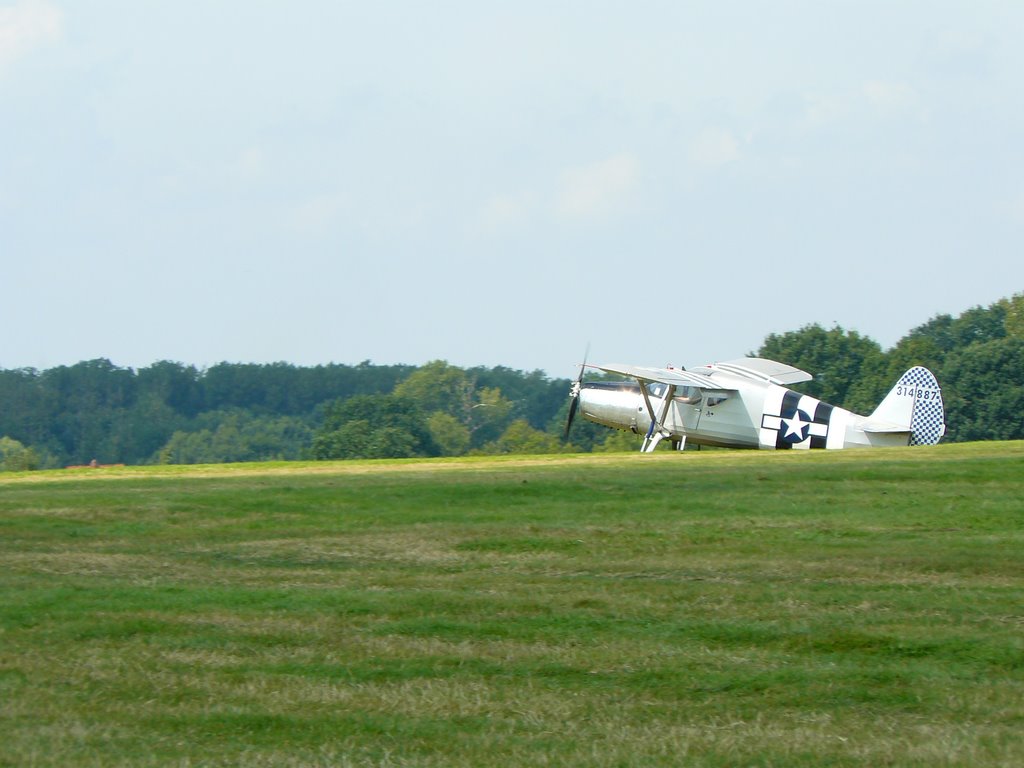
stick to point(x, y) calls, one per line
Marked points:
point(572, 414)
point(574, 393)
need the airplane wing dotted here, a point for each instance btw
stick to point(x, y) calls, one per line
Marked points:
point(754, 368)
point(674, 376)
point(764, 370)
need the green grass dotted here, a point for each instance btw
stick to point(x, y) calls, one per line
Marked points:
point(706, 609)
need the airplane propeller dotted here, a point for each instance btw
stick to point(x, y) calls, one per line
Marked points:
point(574, 394)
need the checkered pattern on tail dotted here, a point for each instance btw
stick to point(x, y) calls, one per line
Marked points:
point(928, 423)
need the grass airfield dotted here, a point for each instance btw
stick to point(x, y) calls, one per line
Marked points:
point(706, 608)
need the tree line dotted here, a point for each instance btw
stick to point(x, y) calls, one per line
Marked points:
point(172, 412)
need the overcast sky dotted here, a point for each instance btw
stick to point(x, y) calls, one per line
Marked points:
point(499, 183)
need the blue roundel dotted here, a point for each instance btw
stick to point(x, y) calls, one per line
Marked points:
point(796, 425)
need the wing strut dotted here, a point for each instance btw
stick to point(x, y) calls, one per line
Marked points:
point(657, 432)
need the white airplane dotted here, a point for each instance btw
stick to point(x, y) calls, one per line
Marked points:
point(746, 404)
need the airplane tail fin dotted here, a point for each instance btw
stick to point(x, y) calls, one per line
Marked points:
point(914, 405)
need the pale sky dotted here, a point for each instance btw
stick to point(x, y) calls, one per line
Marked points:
point(499, 183)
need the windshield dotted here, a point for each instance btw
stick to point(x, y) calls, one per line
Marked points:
point(657, 389)
point(690, 395)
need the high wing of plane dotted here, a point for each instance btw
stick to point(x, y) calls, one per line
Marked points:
point(746, 403)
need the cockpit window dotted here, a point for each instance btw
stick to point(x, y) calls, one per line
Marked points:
point(657, 389)
point(689, 395)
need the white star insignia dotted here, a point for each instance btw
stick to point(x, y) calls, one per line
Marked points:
point(795, 426)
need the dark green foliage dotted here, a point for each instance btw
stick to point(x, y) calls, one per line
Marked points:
point(285, 389)
point(460, 410)
point(533, 395)
point(373, 427)
point(181, 388)
point(520, 437)
point(976, 325)
point(977, 358)
point(96, 410)
point(15, 457)
point(238, 435)
point(840, 361)
point(985, 390)
point(170, 411)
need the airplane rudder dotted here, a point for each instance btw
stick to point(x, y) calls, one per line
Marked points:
point(915, 403)
point(928, 421)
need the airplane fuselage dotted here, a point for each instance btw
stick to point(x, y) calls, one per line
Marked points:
point(733, 408)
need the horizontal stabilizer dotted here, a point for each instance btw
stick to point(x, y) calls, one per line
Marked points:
point(884, 427)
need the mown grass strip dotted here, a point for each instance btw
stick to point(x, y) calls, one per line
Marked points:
point(707, 609)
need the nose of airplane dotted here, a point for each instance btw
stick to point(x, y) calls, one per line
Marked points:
point(613, 404)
